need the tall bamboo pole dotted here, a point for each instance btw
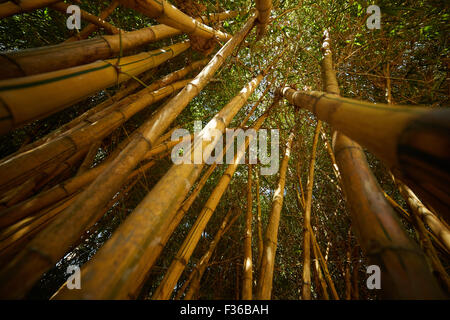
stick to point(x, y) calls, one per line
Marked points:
point(200, 268)
point(380, 234)
point(264, 7)
point(68, 86)
point(259, 224)
point(264, 287)
point(435, 225)
point(323, 263)
point(247, 273)
point(414, 142)
point(306, 290)
point(167, 14)
point(318, 269)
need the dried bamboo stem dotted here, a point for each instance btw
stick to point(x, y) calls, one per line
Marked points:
point(264, 287)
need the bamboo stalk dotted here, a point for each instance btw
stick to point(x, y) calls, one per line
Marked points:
point(89, 158)
point(28, 163)
point(306, 289)
point(259, 224)
point(247, 273)
point(403, 137)
point(10, 8)
point(264, 287)
point(68, 86)
point(323, 262)
point(438, 268)
point(200, 268)
point(318, 269)
point(167, 14)
point(264, 7)
point(417, 207)
point(62, 7)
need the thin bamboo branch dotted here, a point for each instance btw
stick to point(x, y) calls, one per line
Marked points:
point(167, 14)
point(247, 273)
point(264, 286)
point(306, 290)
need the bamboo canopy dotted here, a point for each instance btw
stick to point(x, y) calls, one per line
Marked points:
point(167, 14)
point(18, 94)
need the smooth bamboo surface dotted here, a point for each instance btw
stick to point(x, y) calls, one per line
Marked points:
point(167, 14)
point(28, 98)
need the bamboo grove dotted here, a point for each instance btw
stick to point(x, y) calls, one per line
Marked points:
point(87, 123)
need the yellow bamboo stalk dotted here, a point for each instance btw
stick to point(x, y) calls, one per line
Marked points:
point(435, 225)
point(165, 288)
point(438, 268)
point(247, 274)
point(10, 8)
point(403, 137)
point(200, 268)
point(306, 290)
point(259, 224)
point(89, 158)
point(264, 7)
point(264, 287)
point(318, 269)
point(18, 168)
point(68, 86)
point(323, 263)
point(167, 14)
